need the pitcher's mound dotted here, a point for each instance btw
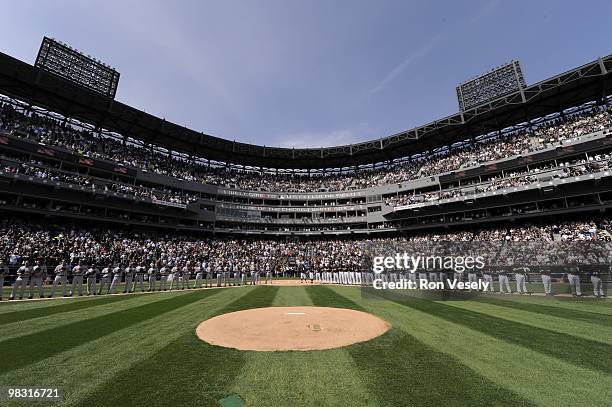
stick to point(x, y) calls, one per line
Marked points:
point(291, 328)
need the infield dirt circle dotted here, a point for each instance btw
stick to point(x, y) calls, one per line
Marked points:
point(291, 328)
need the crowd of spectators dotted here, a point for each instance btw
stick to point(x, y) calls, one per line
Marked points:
point(581, 166)
point(36, 169)
point(51, 131)
point(27, 240)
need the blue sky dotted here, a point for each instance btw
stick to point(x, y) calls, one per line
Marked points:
point(309, 73)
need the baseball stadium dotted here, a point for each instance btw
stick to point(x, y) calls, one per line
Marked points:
point(462, 262)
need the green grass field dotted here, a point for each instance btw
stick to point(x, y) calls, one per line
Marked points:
point(142, 350)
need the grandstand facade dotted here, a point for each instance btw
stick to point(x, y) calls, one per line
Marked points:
point(541, 152)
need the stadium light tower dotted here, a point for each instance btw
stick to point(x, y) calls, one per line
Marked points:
point(67, 62)
point(501, 81)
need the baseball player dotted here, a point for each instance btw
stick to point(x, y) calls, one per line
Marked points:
point(23, 276)
point(423, 276)
point(546, 280)
point(472, 277)
point(488, 278)
point(129, 277)
point(139, 280)
point(163, 277)
point(268, 273)
point(186, 275)
point(77, 280)
point(219, 272)
point(152, 273)
point(597, 283)
point(209, 273)
point(198, 275)
point(61, 278)
point(4, 270)
point(117, 274)
point(244, 271)
point(520, 275)
point(105, 277)
point(36, 279)
point(236, 272)
point(176, 278)
point(573, 276)
point(91, 274)
point(503, 280)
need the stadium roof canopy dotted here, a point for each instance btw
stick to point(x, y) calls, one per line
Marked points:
point(590, 82)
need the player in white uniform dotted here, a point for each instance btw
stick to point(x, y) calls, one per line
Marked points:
point(77, 280)
point(139, 280)
point(163, 278)
point(61, 278)
point(520, 274)
point(198, 275)
point(176, 278)
point(91, 274)
point(105, 277)
point(117, 274)
point(129, 277)
point(186, 271)
point(152, 273)
point(23, 276)
point(36, 279)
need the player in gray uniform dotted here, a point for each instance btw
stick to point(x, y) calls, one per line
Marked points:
point(546, 280)
point(244, 271)
point(209, 273)
point(269, 273)
point(129, 277)
point(61, 278)
point(163, 277)
point(252, 272)
point(105, 277)
point(139, 280)
point(117, 274)
point(36, 279)
point(520, 275)
point(91, 274)
point(186, 271)
point(4, 270)
point(198, 275)
point(77, 280)
point(219, 272)
point(573, 276)
point(23, 276)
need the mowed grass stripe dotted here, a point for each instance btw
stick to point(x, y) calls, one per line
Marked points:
point(27, 349)
point(75, 305)
point(314, 378)
point(187, 371)
point(102, 359)
point(548, 310)
point(398, 369)
point(586, 330)
point(540, 378)
point(580, 351)
point(31, 326)
point(292, 297)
